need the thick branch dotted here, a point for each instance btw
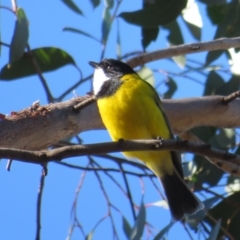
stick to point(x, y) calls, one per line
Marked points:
point(121, 146)
point(39, 127)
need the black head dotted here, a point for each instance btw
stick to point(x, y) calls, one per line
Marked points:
point(113, 68)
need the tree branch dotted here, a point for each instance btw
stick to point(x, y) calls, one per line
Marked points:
point(218, 44)
point(39, 127)
point(43, 157)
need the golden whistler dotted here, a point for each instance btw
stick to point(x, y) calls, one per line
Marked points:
point(131, 109)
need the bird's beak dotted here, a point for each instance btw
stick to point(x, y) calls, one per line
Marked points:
point(94, 64)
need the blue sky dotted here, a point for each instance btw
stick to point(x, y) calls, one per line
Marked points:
point(19, 187)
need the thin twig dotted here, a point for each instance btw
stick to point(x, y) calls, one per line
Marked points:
point(8, 8)
point(113, 179)
point(225, 231)
point(231, 97)
point(101, 169)
point(4, 44)
point(39, 205)
point(74, 86)
point(118, 160)
point(187, 230)
point(128, 191)
point(232, 160)
point(9, 164)
point(107, 200)
point(39, 72)
point(84, 103)
point(116, 9)
point(74, 208)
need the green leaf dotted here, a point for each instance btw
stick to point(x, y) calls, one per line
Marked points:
point(95, 3)
point(175, 38)
point(147, 75)
point(89, 236)
point(109, 3)
point(224, 139)
point(149, 35)
point(48, 59)
point(229, 87)
point(73, 6)
point(165, 230)
point(138, 227)
point(0, 44)
point(216, 13)
point(194, 219)
point(74, 30)
point(213, 82)
point(172, 87)
point(228, 27)
point(106, 25)
point(213, 2)
point(206, 172)
point(194, 30)
point(193, 19)
point(215, 231)
point(175, 35)
point(126, 227)
point(204, 133)
point(20, 36)
point(227, 210)
point(118, 47)
point(233, 185)
point(213, 55)
point(180, 60)
point(158, 13)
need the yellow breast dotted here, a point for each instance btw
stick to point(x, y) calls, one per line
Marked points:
point(132, 113)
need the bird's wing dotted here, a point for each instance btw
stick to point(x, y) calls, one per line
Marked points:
point(175, 155)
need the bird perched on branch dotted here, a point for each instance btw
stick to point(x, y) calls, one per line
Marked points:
point(131, 109)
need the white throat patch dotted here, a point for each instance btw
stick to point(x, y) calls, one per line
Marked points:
point(99, 77)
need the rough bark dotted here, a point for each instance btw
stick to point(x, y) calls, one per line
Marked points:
point(39, 127)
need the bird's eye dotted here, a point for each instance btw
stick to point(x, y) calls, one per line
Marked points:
point(110, 67)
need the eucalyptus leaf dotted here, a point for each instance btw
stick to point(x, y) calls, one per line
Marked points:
point(215, 231)
point(175, 35)
point(109, 4)
point(20, 37)
point(126, 227)
point(47, 58)
point(212, 56)
point(224, 139)
point(106, 25)
point(89, 236)
point(230, 86)
point(95, 3)
point(155, 14)
point(74, 30)
point(194, 219)
point(214, 81)
point(149, 35)
point(138, 227)
point(213, 2)
point(216, 13)
point(73, 6)
point(146, 74)
point(172, 87)
point(227, 211)
point(162, 233)
point(194, 30)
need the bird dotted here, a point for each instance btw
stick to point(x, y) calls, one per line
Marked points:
point(131, 109)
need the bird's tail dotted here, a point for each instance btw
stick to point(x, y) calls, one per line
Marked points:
point(181, 200)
